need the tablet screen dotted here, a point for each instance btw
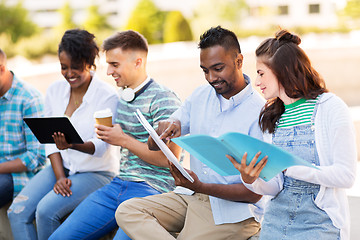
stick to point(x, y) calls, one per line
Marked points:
point(44, 128)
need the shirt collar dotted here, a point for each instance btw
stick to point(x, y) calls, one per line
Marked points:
point(226, 104)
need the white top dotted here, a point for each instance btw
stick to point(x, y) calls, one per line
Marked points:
point(336, 146)
point(99, 96)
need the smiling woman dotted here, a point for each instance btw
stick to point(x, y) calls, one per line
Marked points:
point(77, 63)
point(76, 169)
point(313, 124)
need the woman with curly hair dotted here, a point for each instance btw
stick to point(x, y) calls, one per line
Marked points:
point(76, 169)
point(313, 124)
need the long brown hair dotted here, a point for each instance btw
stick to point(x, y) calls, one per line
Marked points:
point(294, 72)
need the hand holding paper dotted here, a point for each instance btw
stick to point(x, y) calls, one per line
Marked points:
point(170, 156)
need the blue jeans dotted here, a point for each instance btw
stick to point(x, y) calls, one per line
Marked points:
point(6, 189)
point(38, 200)
point(95, 216)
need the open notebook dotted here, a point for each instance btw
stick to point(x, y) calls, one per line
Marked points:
point(162, 145)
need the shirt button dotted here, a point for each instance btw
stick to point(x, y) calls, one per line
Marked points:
point(205, 172)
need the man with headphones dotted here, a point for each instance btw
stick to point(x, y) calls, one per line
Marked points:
point(142, 172)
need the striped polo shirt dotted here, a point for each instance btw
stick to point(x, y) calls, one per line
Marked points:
point(156, 103)
point(297, 113)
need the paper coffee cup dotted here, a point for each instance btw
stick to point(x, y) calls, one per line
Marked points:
point(104, 117)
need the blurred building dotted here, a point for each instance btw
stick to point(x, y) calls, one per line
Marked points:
point(287, 13)
point(45, 12)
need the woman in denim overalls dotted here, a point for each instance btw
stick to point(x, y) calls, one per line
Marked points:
point(307, 203)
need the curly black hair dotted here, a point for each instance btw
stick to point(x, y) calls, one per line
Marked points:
point(80, 46)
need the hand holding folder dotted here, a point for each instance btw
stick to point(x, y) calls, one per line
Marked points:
point(212, 152)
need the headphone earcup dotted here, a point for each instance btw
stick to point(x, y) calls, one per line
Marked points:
point(127, 94)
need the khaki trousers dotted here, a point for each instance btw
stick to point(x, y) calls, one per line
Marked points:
point(161, 216)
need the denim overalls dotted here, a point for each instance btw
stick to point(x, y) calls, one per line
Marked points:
point(292, 213)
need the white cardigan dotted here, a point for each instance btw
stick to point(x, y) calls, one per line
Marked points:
point(336, 146)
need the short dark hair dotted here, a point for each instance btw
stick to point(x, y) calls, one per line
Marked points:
point(80, 46)
point(219, 36)
point(126, 40)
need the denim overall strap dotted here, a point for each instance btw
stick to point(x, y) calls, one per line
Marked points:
point(293, 214)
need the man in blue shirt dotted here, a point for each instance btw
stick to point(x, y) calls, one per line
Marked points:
point(20, 151)
point(213, 206)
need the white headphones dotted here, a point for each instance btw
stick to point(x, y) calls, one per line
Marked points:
point(128, 94)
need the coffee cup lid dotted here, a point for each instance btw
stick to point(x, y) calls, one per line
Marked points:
point(103, 113)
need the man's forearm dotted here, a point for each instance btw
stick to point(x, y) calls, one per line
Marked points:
point(13, 166)
point(233, 192)
point(156, 158)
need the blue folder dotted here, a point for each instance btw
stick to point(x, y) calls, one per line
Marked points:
point(211, 151)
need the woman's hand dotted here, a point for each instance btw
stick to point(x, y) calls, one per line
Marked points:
point(62, 186)
point(60, 141)
point(251, 172)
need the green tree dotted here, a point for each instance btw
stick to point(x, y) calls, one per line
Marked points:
point(66, 22)
point(147, 19)
point(15, 22)
point(227, 13)
point(176, 28)
point(349, 17)
point(352, 9)
point(95, 21)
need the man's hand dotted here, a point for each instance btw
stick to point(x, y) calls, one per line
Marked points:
point(180, 180)
point(60, 141)
point(251, 172)
point(113, 135)
point(167, 129)
point(62, 186)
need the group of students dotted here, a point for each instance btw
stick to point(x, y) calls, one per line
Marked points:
point(119, 178)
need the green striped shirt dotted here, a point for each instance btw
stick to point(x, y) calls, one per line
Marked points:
point(297, 113)
point(156, 103)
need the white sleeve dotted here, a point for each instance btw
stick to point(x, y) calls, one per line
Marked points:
point(100, 146)
point(48, 112)
point(272, 187)
point(336, 147)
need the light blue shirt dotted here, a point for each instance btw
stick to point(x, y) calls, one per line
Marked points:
point(206, 112)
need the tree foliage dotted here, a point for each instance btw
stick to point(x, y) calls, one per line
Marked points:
point(15, 22)
point(66, 21)
point(95, 21)
point(352, 9)
point(176, 28)
point(227, 13)
point(147, 19)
